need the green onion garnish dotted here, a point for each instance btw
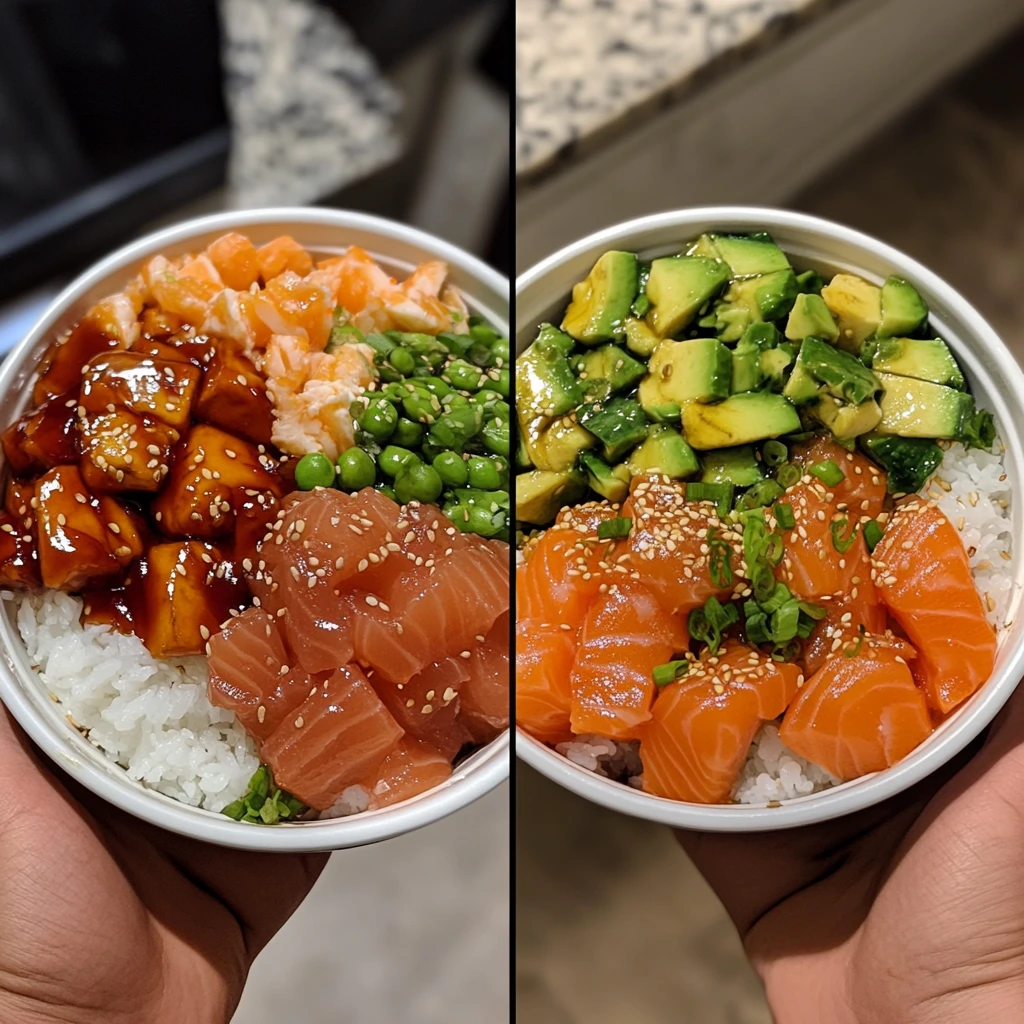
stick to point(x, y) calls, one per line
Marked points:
point(784, 515)
point(840, 543)
point(788, 474)
point(719, 559)
point(614, 529)
point(264, 803)
point(670, 672)
point(852, 652)
point(720, 494)
point(774, 453)
point(708, 623)
point(872, 534)
point(828, 473)
point(764, 492)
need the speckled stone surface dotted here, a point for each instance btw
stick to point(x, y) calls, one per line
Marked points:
point(590, 69)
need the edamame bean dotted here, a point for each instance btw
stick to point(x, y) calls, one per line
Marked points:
point(434, 385)
point(495, 436)
point(402, 360)
point(378, 419)
point(356, 470)
point(452, 469)
point(483, 473)
point(465, 376)
point(407, 433)
point(421, 408)
point(393, 458)
point(500, 352)
point(314, 470)
point(418, 482)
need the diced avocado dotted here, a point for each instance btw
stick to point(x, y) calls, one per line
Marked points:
point(810, 316)
point(641, 304)
point(678, 287)
point(747, 374)
point(918, 408)
point(665, 451)
point(550, 335)
point(555, 445)
point(844, 419)
point(620, 424)
point(774, 363)
point(640, 339)
point(545, 384)
point(857, 306)
point(600, 303)
point(908, 461)
point(523, 460)
point(704, 246)
point(607, 369)
point(738, 466)
point(740, 419)
point(922, 359)
point(731, 322)
point(750, 255)
point(763, 335)
point(810, 281)
point(540, 494)
point(610, 482)
point(903, 309)
point(802, 387)
point(841, 373)
point(697, 370)
point(769, 297)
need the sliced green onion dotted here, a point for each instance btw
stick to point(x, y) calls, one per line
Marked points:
point(872, 534)
point(840, 543)
point(787, 652)
point(719, 559)
point(784, 515)
point(614, 529)
point(764, 492)
point(774, 453)
point(670, 672)
point(708, 623)
point(720, 494)
point(785, 621)
point(813, 611)
point(852, 652)
point(780, 595)
point(788, 474)
point(828, 473)
point(762, 583)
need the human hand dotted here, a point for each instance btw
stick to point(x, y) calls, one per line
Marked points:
point(106, 919)
point(907, 913)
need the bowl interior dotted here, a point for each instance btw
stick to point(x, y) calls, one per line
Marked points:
point(324, 232)
point(996, 382)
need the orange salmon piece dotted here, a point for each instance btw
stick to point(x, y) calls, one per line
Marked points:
point(840, 626)
point(291, 306)
point(862, 489)
point(281, 254)
point(860, 712)
point(702, 726)
point(411, 768)
point(236, 260)
point(544, 663)
point(924, 577)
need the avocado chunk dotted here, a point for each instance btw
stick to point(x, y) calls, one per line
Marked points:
point(698, 370)
point(747, 374)
point(802, 387)
point(845, 420)
point(600, 303)
point(922, 359)
point(607, 369)
point(545, 385)
point(918, 408)
point(678, 287)
point(755, 299)
point(555, 444)
point(903, 309)
point(857, 306)
point(523, 460)
point(740, 419)
point(737, 466)
point(843, 375)
point(908, 461)
point(541, 494)
point(810, 281)
point(746, 255)
point(620, 424)
point(640, 339)
point(810, 316)
point(666, 452)
point(774, 363)
point(610, 482)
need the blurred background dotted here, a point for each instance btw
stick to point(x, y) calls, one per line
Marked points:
point(118, 116)
point(898, 117)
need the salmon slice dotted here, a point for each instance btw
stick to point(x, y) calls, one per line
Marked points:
point(427, 706)
point(863, 487)
point(681, 549)
point(339, 735)
point(841, 625)
point(281, 254)
point(924, 577)
point(246, 661)
point(411, 768)
point(625, 635)
point(860, 712)
point(291, 305)
point(702, 726)
point(235, 259)
point(544, 662)
point(483, 697)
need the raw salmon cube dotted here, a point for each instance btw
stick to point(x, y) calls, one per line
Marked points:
point(188, 297)
point(123, 451)
point(161, 388)
point(45, 437)
point(211, 473)
point(282, 254)
point(413, 767)
point(236, 260)
point(292, 305)
point(484, 697)
point(233, 396)
point(19, 556)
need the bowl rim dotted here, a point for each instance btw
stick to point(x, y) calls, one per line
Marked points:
point(953, 735)
point(472, 779)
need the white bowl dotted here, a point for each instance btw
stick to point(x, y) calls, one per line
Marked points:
point(996, 381)
point(323, 231)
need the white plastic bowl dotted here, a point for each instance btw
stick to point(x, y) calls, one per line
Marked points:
point(995, 379)
point(323, 231)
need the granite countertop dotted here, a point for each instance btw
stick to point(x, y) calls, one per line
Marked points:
point(589, 70)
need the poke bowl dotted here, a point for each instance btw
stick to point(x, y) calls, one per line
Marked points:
point(751, 593)
point(244, 623)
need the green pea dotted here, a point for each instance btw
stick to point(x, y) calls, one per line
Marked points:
point(356, 470)
point(435, 386)
point(393, 458)
point(465, 376)
point(421, 408)
point(500, 351)
point(418, 482)
point(379, 418)
point(452, 469)
point(387, 490)
point(495, 436)
point(402, 360)
point(314, 470)
point(407, 433)
point(483, 473)
point(476, 519)
point(499, 382)
point(483, 333)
